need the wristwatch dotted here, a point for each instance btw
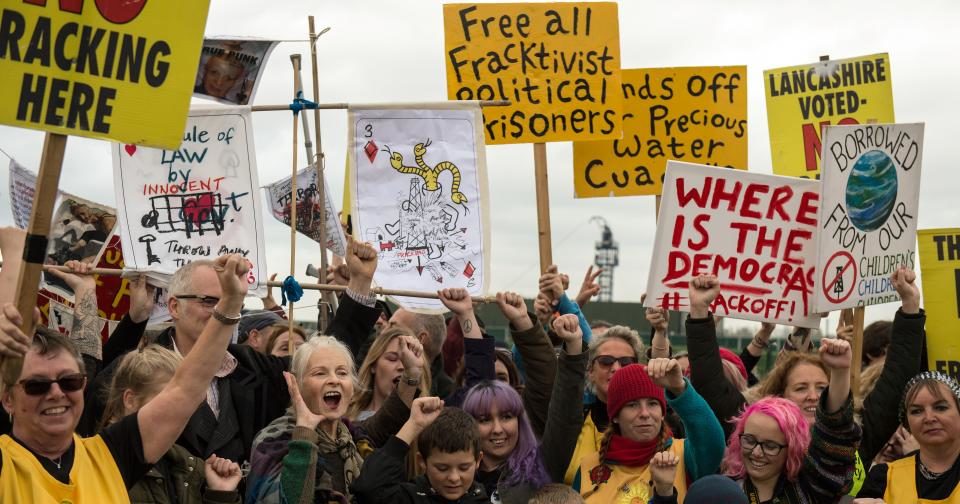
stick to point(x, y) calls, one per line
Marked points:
point(413, 382)
point(225, 320)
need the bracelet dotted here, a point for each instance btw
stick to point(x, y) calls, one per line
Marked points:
point(224, 319)
point(660, 349)
point(413, 382)
point(760, 344)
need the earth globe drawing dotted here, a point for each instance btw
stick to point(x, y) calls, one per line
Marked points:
point(871, 190)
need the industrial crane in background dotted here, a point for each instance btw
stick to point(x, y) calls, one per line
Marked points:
point(607, 258)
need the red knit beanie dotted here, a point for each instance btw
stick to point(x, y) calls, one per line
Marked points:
point(734, 359)
point(629, 384)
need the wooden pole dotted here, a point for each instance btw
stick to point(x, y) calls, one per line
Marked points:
point(543, 205)
point(35, 250)
point(320, 164)
point(295, 59)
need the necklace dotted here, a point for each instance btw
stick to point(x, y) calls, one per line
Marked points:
point(57, 462)
point(927, 473)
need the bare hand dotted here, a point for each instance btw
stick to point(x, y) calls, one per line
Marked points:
point(658, 319)
point(338, 275)
point(903, 280)
point(667, 373)
point(663, 471)
point(456, 300)
point(703, 290)
point(845, 331)
point(232, 272)
point(567, 327)
point(143, 297)
point(305, 416)
point(589, 287)
point(835, 354)
point(269, 302)
point(79, 277)
point(411, 355)
point(514, 310)
point(361, 260)
point(541, 306)
point(13, 342)
point(424, 411)
point(551, 285)
point(222, 474)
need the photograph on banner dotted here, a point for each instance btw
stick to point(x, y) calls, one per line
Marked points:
point(79, 233)
point(120, 70)
point(755, 232)
point(199, 201)
point(868, 212)
point(308, 208)
point(231, 68)
point(692, 114)
point(802, 100)
point(940, 271)
point(418, 180)
point(557, 63)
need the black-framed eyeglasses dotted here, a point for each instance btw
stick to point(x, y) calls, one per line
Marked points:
point(608, 360)
point(769, 448)
point(206, 301)
point(40, 386)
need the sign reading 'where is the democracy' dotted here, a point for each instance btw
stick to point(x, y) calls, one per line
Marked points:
point(802, 100)
point(557, 63)
point(111, 69)
point(692, 114)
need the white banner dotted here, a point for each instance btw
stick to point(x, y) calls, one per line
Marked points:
point(754, 231)
point(418, 179)
point(868, 218)
point(308, 208)
point(197, 202)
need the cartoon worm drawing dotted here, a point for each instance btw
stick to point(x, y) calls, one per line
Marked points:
point(430, 175)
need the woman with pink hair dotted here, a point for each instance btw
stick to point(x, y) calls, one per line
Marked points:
point(777, 457)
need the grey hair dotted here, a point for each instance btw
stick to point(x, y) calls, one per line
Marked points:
point(182, 280)
point(434, 326)
point(47, 341)
point(302, 357)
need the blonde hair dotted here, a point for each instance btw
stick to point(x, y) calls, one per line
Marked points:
point(142, 372)
point(364, 395)
point(775, 383)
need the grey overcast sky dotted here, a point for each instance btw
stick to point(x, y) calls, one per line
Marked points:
point(392, 51)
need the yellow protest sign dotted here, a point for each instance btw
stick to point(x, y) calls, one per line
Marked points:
point(111, 69)
point(695, 114)
point(801, 100)
point(940, 269)
point(558, 63)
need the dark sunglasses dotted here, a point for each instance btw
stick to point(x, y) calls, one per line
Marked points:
point(207, 301)
point(40, 386)
point(608, 360)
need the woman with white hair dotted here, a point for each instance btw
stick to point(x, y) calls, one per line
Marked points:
point(311, 454)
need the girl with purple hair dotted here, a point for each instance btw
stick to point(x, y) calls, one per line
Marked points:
point(514, 466)
point(778, 458)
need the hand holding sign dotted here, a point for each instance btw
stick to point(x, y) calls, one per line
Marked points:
point(903, 280)
point(703, 290)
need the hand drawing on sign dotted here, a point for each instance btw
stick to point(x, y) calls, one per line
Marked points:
point(426, 234)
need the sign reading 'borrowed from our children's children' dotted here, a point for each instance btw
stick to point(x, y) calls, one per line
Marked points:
point(940, 266)
point(557, 63)
point(113, 69)
point(197, 202)
point(754, 231)
point(693, 114)
point(868, 212)
point(801, 100)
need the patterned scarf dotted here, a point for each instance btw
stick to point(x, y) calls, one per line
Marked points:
point(271, 446)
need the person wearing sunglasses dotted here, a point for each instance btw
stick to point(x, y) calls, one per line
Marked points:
point(777, 457)
point(614, 349)
point(43, 460)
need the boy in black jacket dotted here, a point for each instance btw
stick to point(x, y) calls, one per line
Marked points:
point(448, 452)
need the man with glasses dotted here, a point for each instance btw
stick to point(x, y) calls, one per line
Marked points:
point(248, 390)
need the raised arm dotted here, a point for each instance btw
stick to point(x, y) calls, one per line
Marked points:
point(565, 417)
point(357, 313)
point(162, 420)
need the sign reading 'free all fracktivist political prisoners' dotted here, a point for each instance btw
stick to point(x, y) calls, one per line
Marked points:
point(113, 69)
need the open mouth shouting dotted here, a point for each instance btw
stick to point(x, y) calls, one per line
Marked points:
point(332, 399)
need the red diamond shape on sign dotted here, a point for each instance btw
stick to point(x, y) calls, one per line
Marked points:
point(371, 150)
point(468, 271)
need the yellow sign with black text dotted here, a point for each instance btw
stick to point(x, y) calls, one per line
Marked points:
point(110, 69)
point(557, 63)
point(940, 275)
point(694, 114)
point(801, 100)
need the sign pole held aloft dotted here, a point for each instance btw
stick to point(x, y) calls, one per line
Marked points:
point(543, 205)
point(35, 249)
point(295, 59)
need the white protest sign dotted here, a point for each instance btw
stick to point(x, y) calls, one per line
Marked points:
point(308, 208)
point(868, 217)
point(197, 202)
point(418, 179)
point(754, 231)
point(23, 184)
